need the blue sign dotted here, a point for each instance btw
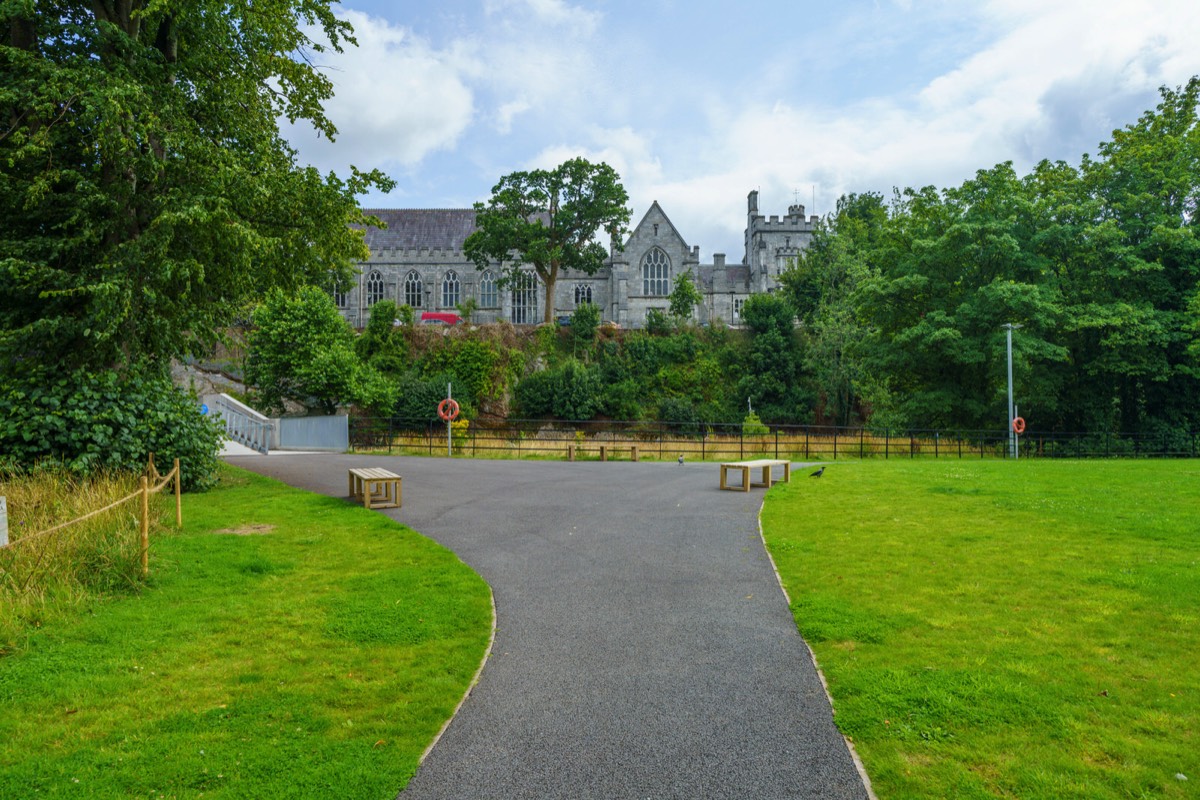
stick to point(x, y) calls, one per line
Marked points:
point(203, 408)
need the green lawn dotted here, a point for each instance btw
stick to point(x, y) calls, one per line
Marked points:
point(315, 652)
point(1004, 629)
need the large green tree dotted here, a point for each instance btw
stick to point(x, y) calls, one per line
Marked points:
point(146, 193)
point(548, 220)
point(302, 349)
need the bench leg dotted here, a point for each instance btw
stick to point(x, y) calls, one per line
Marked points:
point(724, 476)
point(745, 479)
point(787, 472)
point(633, 453)
point(603, 452)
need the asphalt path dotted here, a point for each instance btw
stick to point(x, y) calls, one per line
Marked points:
point(643, 648)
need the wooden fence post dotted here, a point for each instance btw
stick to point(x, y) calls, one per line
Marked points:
point(145, 484)
point(178, 496)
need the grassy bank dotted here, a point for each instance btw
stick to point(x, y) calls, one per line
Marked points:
point(47, 577)
point(1001, 629)
point(288, 645)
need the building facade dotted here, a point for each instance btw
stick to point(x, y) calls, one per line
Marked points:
point(418, 260)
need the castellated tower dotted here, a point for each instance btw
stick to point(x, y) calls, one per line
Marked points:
point(771, 243)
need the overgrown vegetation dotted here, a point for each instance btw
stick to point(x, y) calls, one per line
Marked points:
point(293, 646)
point(45, 579)
point(1003, 629)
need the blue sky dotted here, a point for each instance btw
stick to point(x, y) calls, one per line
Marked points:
point(698, 103)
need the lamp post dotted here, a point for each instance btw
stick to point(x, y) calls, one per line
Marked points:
point(1012, 435)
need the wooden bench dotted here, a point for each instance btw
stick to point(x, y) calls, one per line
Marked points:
point(765, 464)
point(605, 449)
point(375, 488)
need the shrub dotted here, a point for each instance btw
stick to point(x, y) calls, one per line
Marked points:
point(572, 391)
point(753, 426)
point(99, 421)
point(657, 323)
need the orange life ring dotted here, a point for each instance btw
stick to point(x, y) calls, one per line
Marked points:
point(1018, 426)
point(448, 409)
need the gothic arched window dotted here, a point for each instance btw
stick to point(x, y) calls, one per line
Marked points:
point(583, 293)
point(450, 290)
point(656, 270)
point(374, 287)
point(488, 296)
point(524, 299)
point(412, 289)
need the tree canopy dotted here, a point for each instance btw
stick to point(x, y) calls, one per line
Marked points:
point(146, 194)
point(902, 304)
point(548, 220)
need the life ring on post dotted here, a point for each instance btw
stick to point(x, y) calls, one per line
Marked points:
point(1018, 426)
point(448, 409)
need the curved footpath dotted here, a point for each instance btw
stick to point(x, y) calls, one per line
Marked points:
point(643, 648)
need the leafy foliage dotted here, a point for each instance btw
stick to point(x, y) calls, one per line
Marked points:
point(107, 421)
point(585, 321)
point(301, 349)
point(571, 392)
point(684, 296)
point(146, 192)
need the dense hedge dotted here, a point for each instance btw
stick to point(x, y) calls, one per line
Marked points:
point(107, 420)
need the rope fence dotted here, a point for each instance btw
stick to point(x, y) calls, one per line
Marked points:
point(149, 483)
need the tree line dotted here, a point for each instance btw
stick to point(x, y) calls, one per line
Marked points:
point(901, 301)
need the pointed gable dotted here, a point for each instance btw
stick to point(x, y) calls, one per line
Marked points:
point(657, 226)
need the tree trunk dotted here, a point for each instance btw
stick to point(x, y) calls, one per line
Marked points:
point(550, 280)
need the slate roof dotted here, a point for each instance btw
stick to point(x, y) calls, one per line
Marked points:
point(417, 228)
point(730, 276)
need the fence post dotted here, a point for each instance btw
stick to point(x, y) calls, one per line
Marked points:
point(145, 487)
point(835, 443)
point(777, 442)
point(887, 442)
point(806, 443)
point(862, 432)
point(178, 496)
point(741, 443)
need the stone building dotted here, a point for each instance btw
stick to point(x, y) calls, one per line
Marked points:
point(418, 260)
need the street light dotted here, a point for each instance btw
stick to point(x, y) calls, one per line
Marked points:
point(1012, 435)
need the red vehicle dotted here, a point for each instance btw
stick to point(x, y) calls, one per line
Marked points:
point(440, 318)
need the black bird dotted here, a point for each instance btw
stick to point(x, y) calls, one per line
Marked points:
point(818, 473)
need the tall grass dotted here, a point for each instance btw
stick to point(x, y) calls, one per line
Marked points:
point(46, 575)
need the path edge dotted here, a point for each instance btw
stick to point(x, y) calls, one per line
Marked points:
point(487, 653)
point(858, 764)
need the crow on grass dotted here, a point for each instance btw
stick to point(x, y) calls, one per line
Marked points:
point(818, 473)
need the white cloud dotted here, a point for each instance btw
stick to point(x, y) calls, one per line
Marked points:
point(1055, 80)
point(397, 99)
point(553, 13)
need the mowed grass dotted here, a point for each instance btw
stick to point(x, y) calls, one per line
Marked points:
point(989, 629)
point(288, 645)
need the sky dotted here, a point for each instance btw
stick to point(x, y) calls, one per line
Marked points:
point(696, 103)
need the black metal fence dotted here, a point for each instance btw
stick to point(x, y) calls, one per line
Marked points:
point(584, 439)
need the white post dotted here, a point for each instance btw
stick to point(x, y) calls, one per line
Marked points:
point(449, 451)
point(1012, 414)
point(3, 521)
